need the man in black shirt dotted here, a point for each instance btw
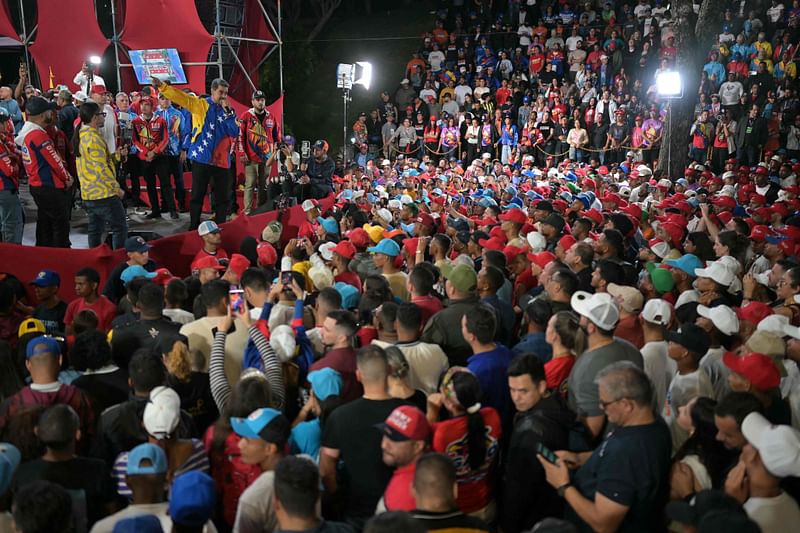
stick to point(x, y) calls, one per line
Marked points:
point(142, 333)
point(87, 480)
point(138, 254)
point(317, 181)
point(51, 308)
point(349, 435)
point(600, 136)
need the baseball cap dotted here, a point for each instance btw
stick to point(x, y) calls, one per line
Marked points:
point(717, 272)
point(754, 312)
point(405, 423)
point(359, 237)
point(30, 325)
point(757, 368)
point(657, 311)
point(143, 523)
point(778, 445)
point(688, 263)
point(554, 220)
point(536, 241)
point(308, 205)
point(41, 345)
point(266, 424)
point(150, 453)
point(375, 233)
point(704, 502)
point(238, 264)
point(208, 226)
point(717, 521)
point(272, 232)
point(207, 261)
point(566, 242)
point(514, 215)
point(690, 336)
point(345, 249)
point(777, 325)
point(329, 225)
point(662, 280)
point(46, 278)
point(722, 316)
point(192, 499)
point(325, 382)
point(599, 308)
point(136, 244)
point(461, 276)
point(258, 95)
point(162, 413)
point(267, 256)
point(349, 294)
point(386, 247)
point(658, 247)
point(37, 105)
point(542, 258)
point(632, 299)
point(10, 458)
point(135, 271)
point(326, 250)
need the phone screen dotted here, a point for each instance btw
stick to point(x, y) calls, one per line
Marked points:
point(546, 453)
point(286, 278)
point(237, 300)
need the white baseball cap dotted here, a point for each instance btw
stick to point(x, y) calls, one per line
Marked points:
point(723, 317)
point(717, 271)
point(162, 413)
point(778, 446)
point(686, 297)
point(385, 214)
point(308, 205)
point(657, 311)
point(776, 324)
point(536, 241)
point(326, 250)
point(394, 203)
point(599, 308)
point(644, 170)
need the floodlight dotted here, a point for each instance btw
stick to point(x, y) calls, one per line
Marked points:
point(344, 75)
point(94, 60)
point(364, 74)
point(669, 84)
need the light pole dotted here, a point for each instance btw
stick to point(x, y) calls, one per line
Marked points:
point(347, 75)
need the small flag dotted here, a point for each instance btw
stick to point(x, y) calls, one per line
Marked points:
point(52, 77)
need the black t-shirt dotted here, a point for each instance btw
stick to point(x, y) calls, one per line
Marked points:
point(125, 340)
point(114, 289)
point(453, 520)
point(52, 318)
point(105, 389)
point(630, 467)
point(196, 399)
point(87, 480)
point(599, 135)
point(350, 429)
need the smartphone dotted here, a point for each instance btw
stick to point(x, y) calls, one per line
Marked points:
point(236, 296)
point(545, 452)
point(286, 278)
point(305, 149)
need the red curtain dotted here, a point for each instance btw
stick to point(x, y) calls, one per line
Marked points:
point(170, 24)
point(67, 35)
point(250, 53)
point(6, 27)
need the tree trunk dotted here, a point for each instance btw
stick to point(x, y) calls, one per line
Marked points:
point(693, 37)
point(326, 9)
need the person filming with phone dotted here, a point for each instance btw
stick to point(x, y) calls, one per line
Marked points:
point(622, 485)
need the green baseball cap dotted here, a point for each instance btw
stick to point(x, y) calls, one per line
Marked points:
point(461, 276)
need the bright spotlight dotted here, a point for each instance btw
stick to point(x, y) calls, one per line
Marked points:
point(669, 84)
point(94, 60)
point(348, 75)
point(364, 74)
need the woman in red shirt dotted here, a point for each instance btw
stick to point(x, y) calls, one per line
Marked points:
point(568, 340)
point(470, 437)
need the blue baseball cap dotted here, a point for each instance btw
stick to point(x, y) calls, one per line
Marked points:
point(9, 461)
point(458, 224)
point(511, 190)
point(144, 523)
point(329, 225)
point(408, 228)
point(136, 244)
point(386, 247)
point(688, 263)
point(41, 345)
point(208, 226)
point(192, 499)
point(150, 453)
point(266, 424)
point(348, 293)
point(135, 271)
point(46, 278)
point(325, 382)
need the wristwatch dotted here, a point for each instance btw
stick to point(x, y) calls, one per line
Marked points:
point(563, 489)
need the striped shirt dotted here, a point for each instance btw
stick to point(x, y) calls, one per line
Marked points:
point(197, 460)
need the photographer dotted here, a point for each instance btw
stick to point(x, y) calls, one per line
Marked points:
point(280, 187)
point(317, 178)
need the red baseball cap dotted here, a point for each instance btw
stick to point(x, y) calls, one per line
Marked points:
point(345, 249)
point(594, 215)
point(359, 237)
point(405, 423)
point(238, 264)
point(757, 368)
point(675, 232)
point(207, 261)
point(542, 258)
point(758, 199)
point(426, 219)
point(411, 244)
point(514, 215)
point(163, 276)
point(267, 256)
point(98, 89)
point(724, 201)
point(511, 252)
point(761, 171)
point(497, 233)
point(492, 243)
point(759, 233)
point(754, 312)
point(725, 217)
point(566, 242)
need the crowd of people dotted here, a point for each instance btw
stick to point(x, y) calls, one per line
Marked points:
point(499, 316)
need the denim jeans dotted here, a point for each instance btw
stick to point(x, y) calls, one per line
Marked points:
point(109, 211)
point(11, 222)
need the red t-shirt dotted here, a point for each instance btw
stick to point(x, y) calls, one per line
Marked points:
point(557, 371)
point(630, 329)
point(450, 438)
point(221, 255)
point(103, 308)
point(366, 335)
point(397, 496)
point(428, 306)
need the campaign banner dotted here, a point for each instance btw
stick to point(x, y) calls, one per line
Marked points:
point(162, 63)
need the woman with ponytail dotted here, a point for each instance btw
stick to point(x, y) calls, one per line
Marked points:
point(469, 435)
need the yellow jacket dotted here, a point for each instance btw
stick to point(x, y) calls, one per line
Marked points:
point(96, 166)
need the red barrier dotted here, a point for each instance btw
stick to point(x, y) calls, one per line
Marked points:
point(174, 252)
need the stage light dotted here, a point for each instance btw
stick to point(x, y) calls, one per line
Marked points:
point(364, 75)
point(95, 60)
point(669, 84)
point(359, 73)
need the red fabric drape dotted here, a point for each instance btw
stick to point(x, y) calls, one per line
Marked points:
point(250, 53)
point(6, 27)
point(68, 34)
point(169, 24)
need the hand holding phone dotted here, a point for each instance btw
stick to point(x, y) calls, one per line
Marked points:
point(286, 278)
point(547, 453)
point(236, 301)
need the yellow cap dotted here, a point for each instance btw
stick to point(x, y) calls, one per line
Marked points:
point(375, 233)
point(30, 325)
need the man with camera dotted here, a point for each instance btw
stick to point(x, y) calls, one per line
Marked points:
point(317, 178)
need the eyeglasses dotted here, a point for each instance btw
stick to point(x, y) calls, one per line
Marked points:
point(604, 405)
point(100, 114)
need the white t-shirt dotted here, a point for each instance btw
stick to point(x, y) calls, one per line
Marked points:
point(255, 512)
point(572, 42)
point(201, 338)
point(181, 316)
point(159, 510)
point(773, 515)
point(427, 362)
point(461, 92)
point(683, 388)
point(717, 372)
point(659, 368)
point(436, 58)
